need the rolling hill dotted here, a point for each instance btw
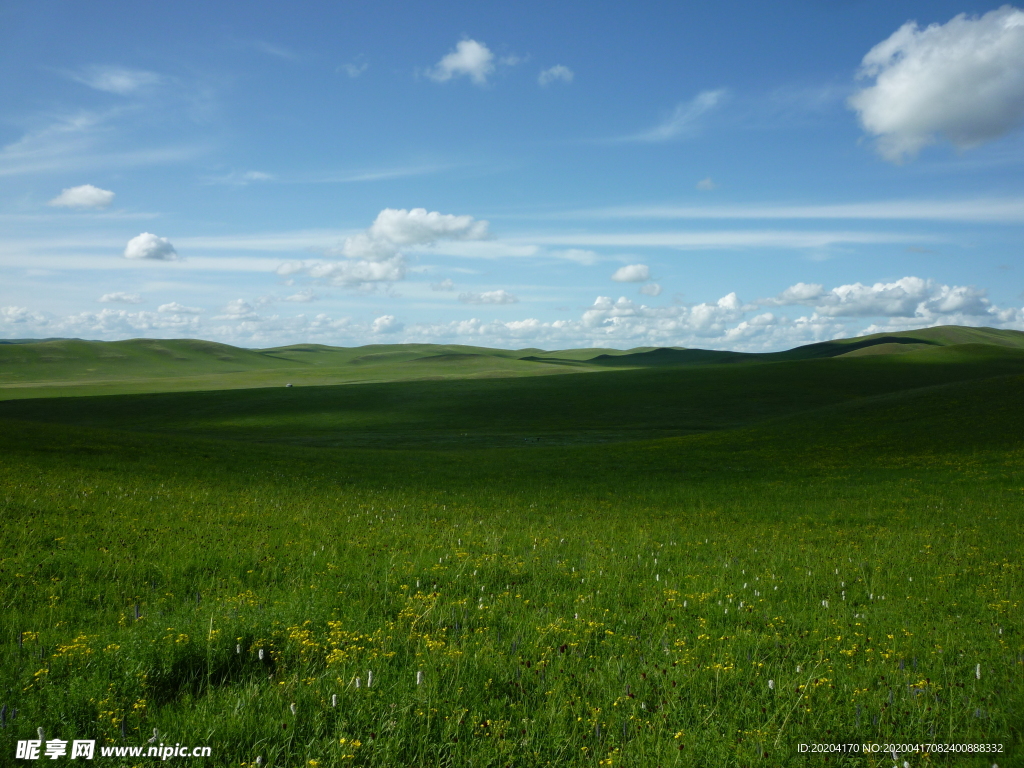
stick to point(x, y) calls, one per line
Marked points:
point(73, 367)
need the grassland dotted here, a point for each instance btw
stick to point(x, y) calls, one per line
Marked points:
point(660, 561)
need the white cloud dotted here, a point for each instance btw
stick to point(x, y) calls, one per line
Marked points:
point(237, 309)
point(555, 74)
point(275, 50)
point(240, 178)
point(76, 143)
point(488, 297)
point(119, 80)
point(633, 273)
point(727, 323)
point(801, 293)
point(444, 285)
point(121, 297)
point(470, 58)
point(651, 289)
point(354, 70)
point(85, 196)
point(394, 228)
point(741, 238)
point(386, 324)
point(291, 268)
point(683, 120)
point(149, 246)
point(706, 185)
point(174, 308)
point(909, 297)
point(579, 255)
point(303, 297)
point(358, 271)
point(963, 81)
point(480, 249)
point(375, 256)
point(20, 315)
point(978, 210)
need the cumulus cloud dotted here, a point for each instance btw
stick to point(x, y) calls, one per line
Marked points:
point(303, 297)
point(149, 246)
point(120, 297)
point(555, 74)
point(375, 256)
point(651, 289)
point(358, 272)
point(470, 58)
point(727, 323)
point(907, 297)
point(386, 324)
point(237, 309)
point(800, 293)
point(683, 119)
point(85, 196)
point(633, 273)
point(963, 81)
point(444, 285)
point(20, 315)
point(119, 80)
point(396, 228)
point(488, 297)
point(174, 308)
point(706, 185)
point(107, 323)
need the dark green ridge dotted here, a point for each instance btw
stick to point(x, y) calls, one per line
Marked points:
point(73, 367)
point(617, 405)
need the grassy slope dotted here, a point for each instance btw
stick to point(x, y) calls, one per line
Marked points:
point(892, 475)
point(614, 405)
point(71, 367)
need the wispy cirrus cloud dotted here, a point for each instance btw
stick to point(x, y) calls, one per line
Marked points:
point(354, 69)
point(81, 141)
point(275, 50)
point(500, 296)
point(740, 238)
point(556, 74)
point(684, 120)
point(243, 178)
point(120, 297)
point(120, 80)
point(980, 210)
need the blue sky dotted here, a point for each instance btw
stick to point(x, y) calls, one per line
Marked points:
point(731, 175)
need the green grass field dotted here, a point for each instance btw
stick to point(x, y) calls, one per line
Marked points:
point(660, 558)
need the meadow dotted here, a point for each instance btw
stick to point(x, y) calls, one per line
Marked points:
point(688, 561)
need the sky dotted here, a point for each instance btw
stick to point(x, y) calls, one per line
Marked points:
point(731, 175)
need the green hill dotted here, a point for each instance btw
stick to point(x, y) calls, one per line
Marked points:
point(692, 558)
point(73, 367)
point(463, 411)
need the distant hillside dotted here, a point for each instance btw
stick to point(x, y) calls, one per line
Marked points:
point(875, 344)
point(70, 367)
